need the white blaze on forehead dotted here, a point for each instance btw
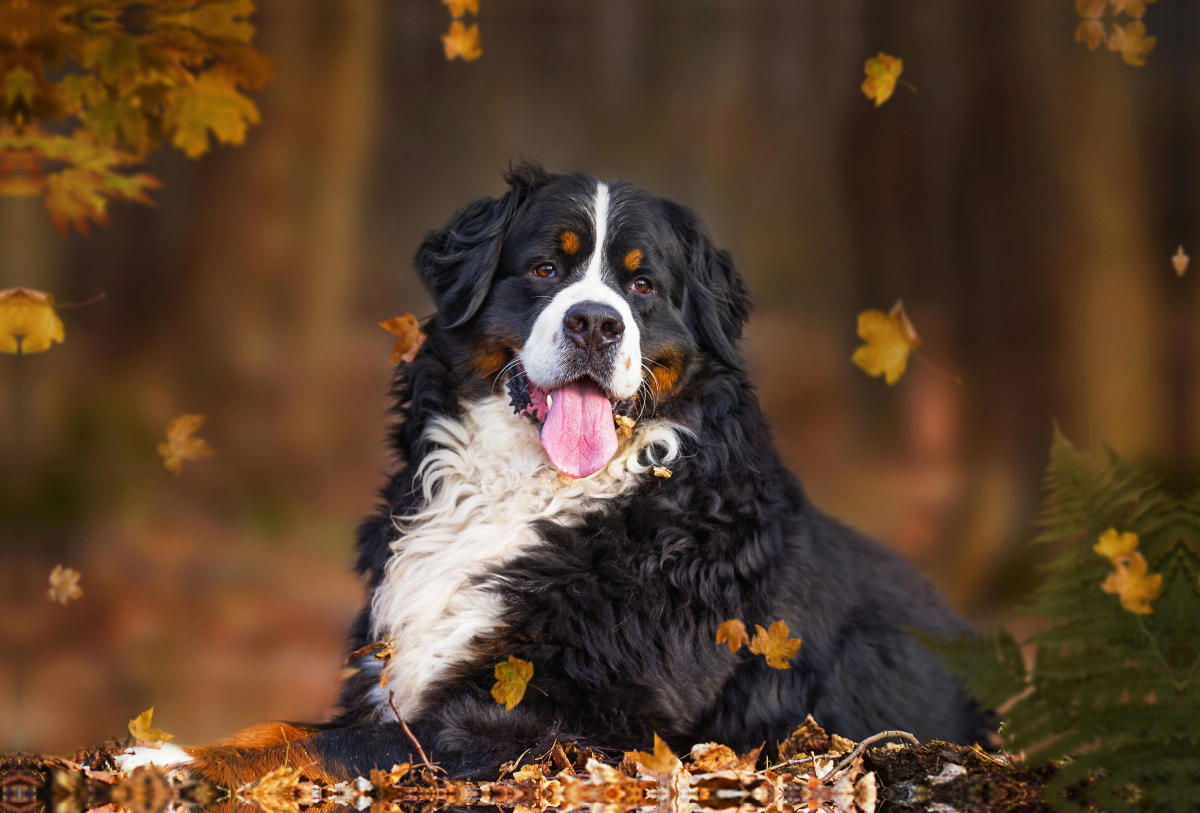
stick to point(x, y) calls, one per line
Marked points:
point(544, 353)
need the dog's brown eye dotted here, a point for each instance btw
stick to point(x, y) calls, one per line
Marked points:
point(642, 285)
point(545, 270)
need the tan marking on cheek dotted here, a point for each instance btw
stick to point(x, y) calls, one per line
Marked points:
point(488, 360)
point(633, 260)
point(664, 375)
point(628, 363)
point(569, 242)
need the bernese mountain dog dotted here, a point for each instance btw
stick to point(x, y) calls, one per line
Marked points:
point(588, 483)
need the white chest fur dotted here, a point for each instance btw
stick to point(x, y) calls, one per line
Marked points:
point(488, 481)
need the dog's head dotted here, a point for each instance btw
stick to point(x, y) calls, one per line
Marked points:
point(596, 299)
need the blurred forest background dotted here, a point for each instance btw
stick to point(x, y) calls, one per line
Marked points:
point(1024, 202)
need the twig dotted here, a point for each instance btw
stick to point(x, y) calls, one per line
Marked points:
point(428, 765)
point(936, 369)
point(862, 746)
point(82, 304)
point(796, 761)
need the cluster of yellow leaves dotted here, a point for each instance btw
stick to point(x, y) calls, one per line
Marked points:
point(143, 734)
point(1129, 40)
point(890, 338)
point(512, 676)
point(64, 585)
point(773, 644)
point(882, 71)
point(410, 337)
point(461, 42)
point(1129, 578)
point(181, 446)
point(139, 74)
point(28, 323)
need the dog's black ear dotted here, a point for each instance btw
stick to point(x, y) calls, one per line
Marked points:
point(459, 260)
point(717, 303)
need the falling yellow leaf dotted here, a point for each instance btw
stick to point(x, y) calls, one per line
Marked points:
point(181, 446)
point(882, 72)
point(775, 645)
point(1091, 32)
point(462, 42)
point(213, 102)
point(733, 633)
point(28, 323)
point(64, 585)
point(662, 763)
point(889, 339)
point(1132, 8)
point(140, 728)
point(410, 338)
point(459, 7)
point(1131, 582)
point(662, 471)
point(1113, 544)
point(512, 676)
point(1180, 261)
point(1132, 42)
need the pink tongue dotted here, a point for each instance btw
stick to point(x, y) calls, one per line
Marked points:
point(578, 433)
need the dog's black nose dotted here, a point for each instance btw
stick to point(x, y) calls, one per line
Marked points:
point(593, 326)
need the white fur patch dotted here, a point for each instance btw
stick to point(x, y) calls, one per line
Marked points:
point(165, 757)
point(542, 356)
point(485, 485)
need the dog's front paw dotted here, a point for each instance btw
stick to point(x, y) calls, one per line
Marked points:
point(168, 756)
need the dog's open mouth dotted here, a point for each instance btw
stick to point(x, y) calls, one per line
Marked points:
point(578, 421)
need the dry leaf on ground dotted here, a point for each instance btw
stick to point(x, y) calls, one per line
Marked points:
point(512, 676)
point(140, 728)
point(64, 585)
point(662, 762)
point(775, 645)
point(181, 446)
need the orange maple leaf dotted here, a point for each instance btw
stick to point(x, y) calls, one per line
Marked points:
point(462, 42)
point(1131, 582)
point(28, 323)
point(181, 446)
point(882, 73)
point(512, 676)
point(411, 337)
point(213, 102)
point(733, 633)
point(662, 763)
point(1132, 43)
point(1132, 8)
point(64, 585)
point(1113, 544)
point(775, 645)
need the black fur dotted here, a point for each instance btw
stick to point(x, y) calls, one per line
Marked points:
point(619, 615)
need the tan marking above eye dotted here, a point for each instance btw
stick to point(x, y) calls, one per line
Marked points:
point(569, 242)
point(633, 260)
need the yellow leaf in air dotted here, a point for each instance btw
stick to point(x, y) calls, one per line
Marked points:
point(775, 645)
point(512, 676)
point(1132, 42)
point(662, 471)
point(462, 42)
point(1113, 544)
point(181, 446)
point(662, 762)
point(211, 102)
point(882, 72)
point(64, 585)
point(1091, 32)
point(889, 339)
point(732, 632)
point(1091, 9)
point(1130, 581)
point(28, 323)
point(410, 338)
point(140, 728)
point(1132, 8)
point(460, 7)
point(1180, 261)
